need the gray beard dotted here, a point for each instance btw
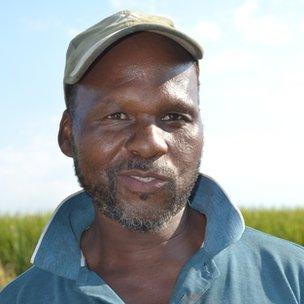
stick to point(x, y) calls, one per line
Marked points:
point(105, 196)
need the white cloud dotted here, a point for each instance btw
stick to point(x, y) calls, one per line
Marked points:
point(301, 26)
point(207, 31)
point(232, 59)
point(116, 3)
point(261, 170)
point(255, 27)
point(35, 176)
point(254, 127)
point(253, 144)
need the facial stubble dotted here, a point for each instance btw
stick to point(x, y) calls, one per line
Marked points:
point(107, 199)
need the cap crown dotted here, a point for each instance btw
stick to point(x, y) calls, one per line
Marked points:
point(88, 45)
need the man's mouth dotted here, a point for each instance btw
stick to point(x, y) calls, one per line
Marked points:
point(142, 181)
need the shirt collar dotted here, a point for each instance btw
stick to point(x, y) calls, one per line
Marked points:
point(58, 249)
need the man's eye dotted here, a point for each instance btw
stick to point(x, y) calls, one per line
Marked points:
point(174, 117)
point(118, 116)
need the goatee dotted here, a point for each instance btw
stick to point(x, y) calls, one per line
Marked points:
point(107, 201)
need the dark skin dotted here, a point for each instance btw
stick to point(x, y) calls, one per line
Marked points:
point(145, 78)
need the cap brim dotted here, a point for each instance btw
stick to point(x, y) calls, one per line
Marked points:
point(86, 59)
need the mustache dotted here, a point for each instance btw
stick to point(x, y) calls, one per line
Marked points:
point(142, 164)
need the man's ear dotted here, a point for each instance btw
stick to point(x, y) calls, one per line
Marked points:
point(65, 134)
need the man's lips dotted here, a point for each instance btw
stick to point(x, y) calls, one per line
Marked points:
point(142, 181)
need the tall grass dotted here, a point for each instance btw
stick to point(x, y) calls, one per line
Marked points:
point(20, 233)
point(284, 223)
point(18, 237)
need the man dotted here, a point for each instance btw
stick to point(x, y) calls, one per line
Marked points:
point(149, 228)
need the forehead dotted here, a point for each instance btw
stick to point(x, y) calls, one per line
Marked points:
point(142, 62)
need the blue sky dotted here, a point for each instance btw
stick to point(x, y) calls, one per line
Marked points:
point(252, 95)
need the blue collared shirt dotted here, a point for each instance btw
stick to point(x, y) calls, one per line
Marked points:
point(235, 264)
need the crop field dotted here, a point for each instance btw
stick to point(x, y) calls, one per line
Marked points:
point(20, 233)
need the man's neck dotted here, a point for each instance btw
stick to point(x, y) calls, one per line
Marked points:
point(106, 244)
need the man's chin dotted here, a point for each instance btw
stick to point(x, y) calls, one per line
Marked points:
point(140, 219)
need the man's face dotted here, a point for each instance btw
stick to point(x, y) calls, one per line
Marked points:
point(136, 114)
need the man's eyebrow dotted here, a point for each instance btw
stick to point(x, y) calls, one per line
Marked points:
point(176, 105)
point(101, 103)
point(98, 107)
point(181, 106)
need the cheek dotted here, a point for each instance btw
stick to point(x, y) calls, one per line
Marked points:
point(99, 150)
point(187, 149)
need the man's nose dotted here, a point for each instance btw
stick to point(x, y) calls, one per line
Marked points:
point(147, 141)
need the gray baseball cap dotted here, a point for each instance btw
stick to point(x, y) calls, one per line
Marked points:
point(88, 45)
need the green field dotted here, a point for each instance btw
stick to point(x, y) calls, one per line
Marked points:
point(19, 234)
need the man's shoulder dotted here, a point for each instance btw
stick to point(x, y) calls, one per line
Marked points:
point(265, 251)
point(258, 251)
point(272, 265)
point(28, 287)
point(264, 242)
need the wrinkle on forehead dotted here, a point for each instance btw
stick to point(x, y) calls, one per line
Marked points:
point(178, 82)
point(154, 72)
point(177, 75)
